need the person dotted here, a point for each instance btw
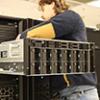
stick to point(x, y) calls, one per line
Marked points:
point(64, 24)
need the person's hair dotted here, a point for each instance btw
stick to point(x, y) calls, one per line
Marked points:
point(60, 5)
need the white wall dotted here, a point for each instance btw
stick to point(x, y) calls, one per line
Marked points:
point(22, 8)
point(90, 15)
point(26, 9)
point(95, 3)
point(19, 8)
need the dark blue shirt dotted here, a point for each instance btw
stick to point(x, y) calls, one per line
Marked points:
point(69, 26)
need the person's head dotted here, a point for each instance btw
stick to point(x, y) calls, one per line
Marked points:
point(51, 8)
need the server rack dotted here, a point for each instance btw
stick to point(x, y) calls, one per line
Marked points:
point(37, 56)
point(10, 27)
point(41, 61)
point(11, 87)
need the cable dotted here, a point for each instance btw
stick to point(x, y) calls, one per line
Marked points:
point(66, 79)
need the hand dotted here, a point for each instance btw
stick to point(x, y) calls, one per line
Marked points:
point(18, 37)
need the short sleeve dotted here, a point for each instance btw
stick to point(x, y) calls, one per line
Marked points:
point(67, 23)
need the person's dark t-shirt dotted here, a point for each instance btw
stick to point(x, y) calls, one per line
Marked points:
point(69, 26)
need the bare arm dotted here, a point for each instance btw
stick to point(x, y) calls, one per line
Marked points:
point(44, 31)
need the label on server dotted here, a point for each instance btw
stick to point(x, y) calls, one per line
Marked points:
point(11, 57)
point(11, 51)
